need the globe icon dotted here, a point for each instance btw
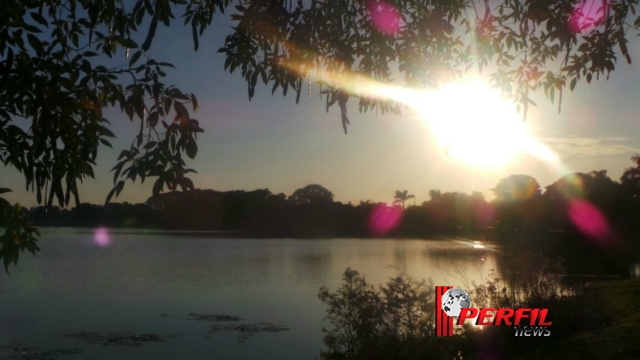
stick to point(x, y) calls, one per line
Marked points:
point(454, 300)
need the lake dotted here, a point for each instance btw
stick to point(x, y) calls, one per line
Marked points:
point(148, 282)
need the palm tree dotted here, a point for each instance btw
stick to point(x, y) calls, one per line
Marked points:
point(402, 196)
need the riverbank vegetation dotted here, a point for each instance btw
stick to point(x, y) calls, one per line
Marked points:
point(59, 79)
point(585, 213)
point(608, 208)
point(396, 320)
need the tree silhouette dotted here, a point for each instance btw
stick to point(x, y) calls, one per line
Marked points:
point(345, 46)
point(630, 184)
point(401, 197)
point(311, 212)
point(516, 187)
point(434, 194)
point(631, 175)
point(192, 210)
point(312, 194)
point(518, 203)
point(628, 202)
point(55, 81)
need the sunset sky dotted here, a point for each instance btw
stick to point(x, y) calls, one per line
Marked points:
point(273, 143)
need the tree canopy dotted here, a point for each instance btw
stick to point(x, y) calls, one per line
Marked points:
point(516, 187)
point(526, 45)
point(58, 77)
point(311, 194)
point(56, 84)
point(402, 196)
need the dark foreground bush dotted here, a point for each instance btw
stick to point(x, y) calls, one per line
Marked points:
point(396, 320)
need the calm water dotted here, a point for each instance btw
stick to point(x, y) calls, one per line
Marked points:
point(75, 285)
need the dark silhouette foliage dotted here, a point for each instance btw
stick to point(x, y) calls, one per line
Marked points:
point(395, 321)
point(401, 197)
point(310, 211)
point(526, 45)
point(55, 84)
point(311, 195)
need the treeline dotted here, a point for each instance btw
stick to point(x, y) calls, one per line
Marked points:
point(591, 203)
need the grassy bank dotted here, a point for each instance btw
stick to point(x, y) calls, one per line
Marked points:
point(395, 321)
point(618, 340)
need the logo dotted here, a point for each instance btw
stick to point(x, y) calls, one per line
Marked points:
point(454, 302)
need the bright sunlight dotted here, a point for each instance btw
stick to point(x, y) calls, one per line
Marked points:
point(475, 124)
point(472, 122)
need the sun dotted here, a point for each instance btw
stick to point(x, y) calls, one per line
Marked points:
point(474, 123)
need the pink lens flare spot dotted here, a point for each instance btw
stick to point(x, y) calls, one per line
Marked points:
point(588, 219)
point(588, 15)
point(101, 237)
point(385, 16)
point(384, 219)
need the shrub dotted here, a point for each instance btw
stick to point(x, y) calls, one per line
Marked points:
point(396, 321)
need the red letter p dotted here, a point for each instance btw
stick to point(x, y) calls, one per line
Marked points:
point(467, 313)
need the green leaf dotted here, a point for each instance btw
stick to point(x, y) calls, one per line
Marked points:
point(192, 148)
point(4, 190)
point(119, 187)
point(167, 104)
point(157, 186)
point(35, 43)
point(152, 32)
point(9, 60)
point(88, 170)
point(194, 104)
point(573, 83)
point(186, 183)
point(180, 109)
point(129, 43)
point(194, 34)
point(105, 143)
point(105, 132)
point(113, 191)
point(135, 58)
point(172, 142)
point(118, 169)
point(153, 119)
point(39, 19)
point(31, 28)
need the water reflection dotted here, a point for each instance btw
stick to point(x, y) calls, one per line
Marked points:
point(309, 261)
point(463, 265)
point(125, 286)
point(400, 259)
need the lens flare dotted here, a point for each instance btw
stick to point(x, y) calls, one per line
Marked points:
point(101, 237)
point(384, 16)
point(588, 219)
point(384, 219)
point(475, 123)
point(588, 15)
point(571, 186)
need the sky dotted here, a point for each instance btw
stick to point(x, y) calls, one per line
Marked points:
point(273, 143)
